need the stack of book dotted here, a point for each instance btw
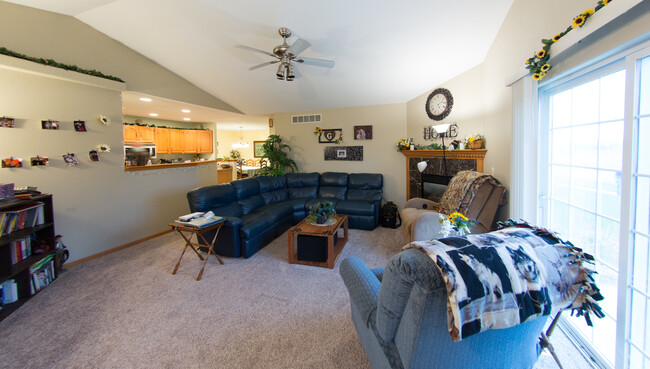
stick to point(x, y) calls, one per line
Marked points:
point(8, 292)
point(24, 217)
point(42, 274)
point(199, 220)
point(20, 249)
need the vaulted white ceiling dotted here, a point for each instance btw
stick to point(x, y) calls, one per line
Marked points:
point(385, 51)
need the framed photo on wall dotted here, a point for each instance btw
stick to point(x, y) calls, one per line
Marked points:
point(363, 132)
point(258, 152)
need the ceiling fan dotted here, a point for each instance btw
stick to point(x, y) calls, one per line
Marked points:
point(287, 55)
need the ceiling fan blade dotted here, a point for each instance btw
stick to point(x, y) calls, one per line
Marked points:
point(316, 62)
point(299, 46)
point(263, 65)
point(256, 50)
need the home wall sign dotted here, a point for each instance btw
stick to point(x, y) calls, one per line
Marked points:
point(330, 135)
point(352, 153)
point(430, 134)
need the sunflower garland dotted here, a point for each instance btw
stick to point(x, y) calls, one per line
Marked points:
point(538, 65)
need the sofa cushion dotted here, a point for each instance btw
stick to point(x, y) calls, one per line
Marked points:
point(298, 204)
point(253, 224)
point(273, 189)
point(302, 185)
point(355, 207)
point(245, 188)
point(333, 185)
point(276, 211)
point(218, 198)
point(365, 186)
point(311, 202)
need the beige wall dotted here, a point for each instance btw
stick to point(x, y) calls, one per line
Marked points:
point(97, 206)
point(379, 154)
point(483, 102)
point(67, 40)
point(227, 138)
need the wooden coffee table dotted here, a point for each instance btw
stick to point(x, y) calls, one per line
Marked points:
point(333, 251)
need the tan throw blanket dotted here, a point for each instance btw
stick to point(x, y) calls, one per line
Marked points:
point(507, 277)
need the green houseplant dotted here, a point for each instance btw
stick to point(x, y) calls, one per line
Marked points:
point(321, 212)
point(279, 162)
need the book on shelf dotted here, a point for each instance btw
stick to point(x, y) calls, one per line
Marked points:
point(9, 290)
point(41, 274)
point(26, 216)
point(20, 249)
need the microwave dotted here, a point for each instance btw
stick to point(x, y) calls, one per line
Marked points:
point(130, 148)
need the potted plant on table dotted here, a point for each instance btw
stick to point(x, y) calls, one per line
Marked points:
point(321, 212)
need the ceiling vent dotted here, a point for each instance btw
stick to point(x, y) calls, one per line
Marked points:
point(311, 118)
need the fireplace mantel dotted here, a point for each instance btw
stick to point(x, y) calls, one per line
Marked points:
point(456, 160)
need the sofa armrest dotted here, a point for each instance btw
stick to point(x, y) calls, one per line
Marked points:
point(362, 284)
point(420, 203)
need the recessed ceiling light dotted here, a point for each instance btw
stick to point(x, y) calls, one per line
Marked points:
point(153, 114)
point(185, 111)
point(145, 99)
point(186, 118)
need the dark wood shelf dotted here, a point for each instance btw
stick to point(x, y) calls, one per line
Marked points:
point(23, 232)
point(24, 265)
point(10, 308)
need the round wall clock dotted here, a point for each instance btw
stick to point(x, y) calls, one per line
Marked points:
point(439, 104)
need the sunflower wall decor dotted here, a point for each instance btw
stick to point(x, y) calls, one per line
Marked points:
point(538, 64)
point(329, 135)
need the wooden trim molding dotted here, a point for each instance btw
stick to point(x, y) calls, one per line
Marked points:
point(110, 251)
point(167, 166)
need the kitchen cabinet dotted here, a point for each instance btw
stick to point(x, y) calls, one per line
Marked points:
point(138, 133)
point(162, 140)
point(189, 141)
point(175, 141)
point(204, 141)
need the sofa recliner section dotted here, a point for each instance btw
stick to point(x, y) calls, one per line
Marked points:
point(260, 209)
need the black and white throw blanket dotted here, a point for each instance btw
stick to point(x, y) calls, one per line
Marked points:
point(507, 277)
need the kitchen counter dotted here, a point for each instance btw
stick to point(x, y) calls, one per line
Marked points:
point(170, 165)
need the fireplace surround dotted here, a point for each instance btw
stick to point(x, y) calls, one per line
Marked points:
point(457, 160)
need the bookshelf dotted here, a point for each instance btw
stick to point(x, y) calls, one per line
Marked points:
point(16, 264)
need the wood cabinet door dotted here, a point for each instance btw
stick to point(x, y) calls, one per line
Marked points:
point(189, 141)
point(175, 141)
point(162, 140)
point(204, 141)
point(130, 133)
point(146, 134)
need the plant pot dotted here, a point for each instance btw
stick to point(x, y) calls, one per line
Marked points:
point(321, 220)
point(475, 144)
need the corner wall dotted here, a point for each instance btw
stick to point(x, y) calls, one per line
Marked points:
point(97, 206)
point(379, 154)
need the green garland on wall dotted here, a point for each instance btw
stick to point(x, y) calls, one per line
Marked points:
point(538, 65)
point(53, 63)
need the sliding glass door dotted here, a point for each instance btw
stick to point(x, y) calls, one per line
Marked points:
point(594, 191)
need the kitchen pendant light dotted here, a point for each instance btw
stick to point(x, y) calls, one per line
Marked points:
point(241, 144)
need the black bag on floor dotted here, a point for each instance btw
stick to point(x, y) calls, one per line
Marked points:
point(390, 215)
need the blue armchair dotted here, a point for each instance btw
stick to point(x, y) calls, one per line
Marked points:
point(400, 314)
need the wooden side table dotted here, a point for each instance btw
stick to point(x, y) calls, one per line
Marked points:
point(333, 251)
point(188, 242)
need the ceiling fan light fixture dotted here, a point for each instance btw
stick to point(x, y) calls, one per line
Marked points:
point(280, 72)
point(290, 74)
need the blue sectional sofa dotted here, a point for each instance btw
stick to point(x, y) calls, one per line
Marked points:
point(259, 209)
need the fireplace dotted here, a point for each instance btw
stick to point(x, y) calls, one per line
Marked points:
point(419, 183)
point(433, 186)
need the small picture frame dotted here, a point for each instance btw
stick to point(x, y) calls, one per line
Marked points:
point(258, 150)
point(80, 126)
point(341, 153)
point(12, 162)
point(93, 155)
point(50, 124)
point(39, 160)
point(363, 132)
point(7, 122)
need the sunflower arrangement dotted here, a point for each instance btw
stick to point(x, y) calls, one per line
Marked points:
point(318, 131)
point(235, 154)
point(405, 143)
point(457, 222)
point(338, 140)
point(538, 64)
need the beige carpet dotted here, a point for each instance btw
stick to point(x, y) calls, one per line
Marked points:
point(126, 310)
